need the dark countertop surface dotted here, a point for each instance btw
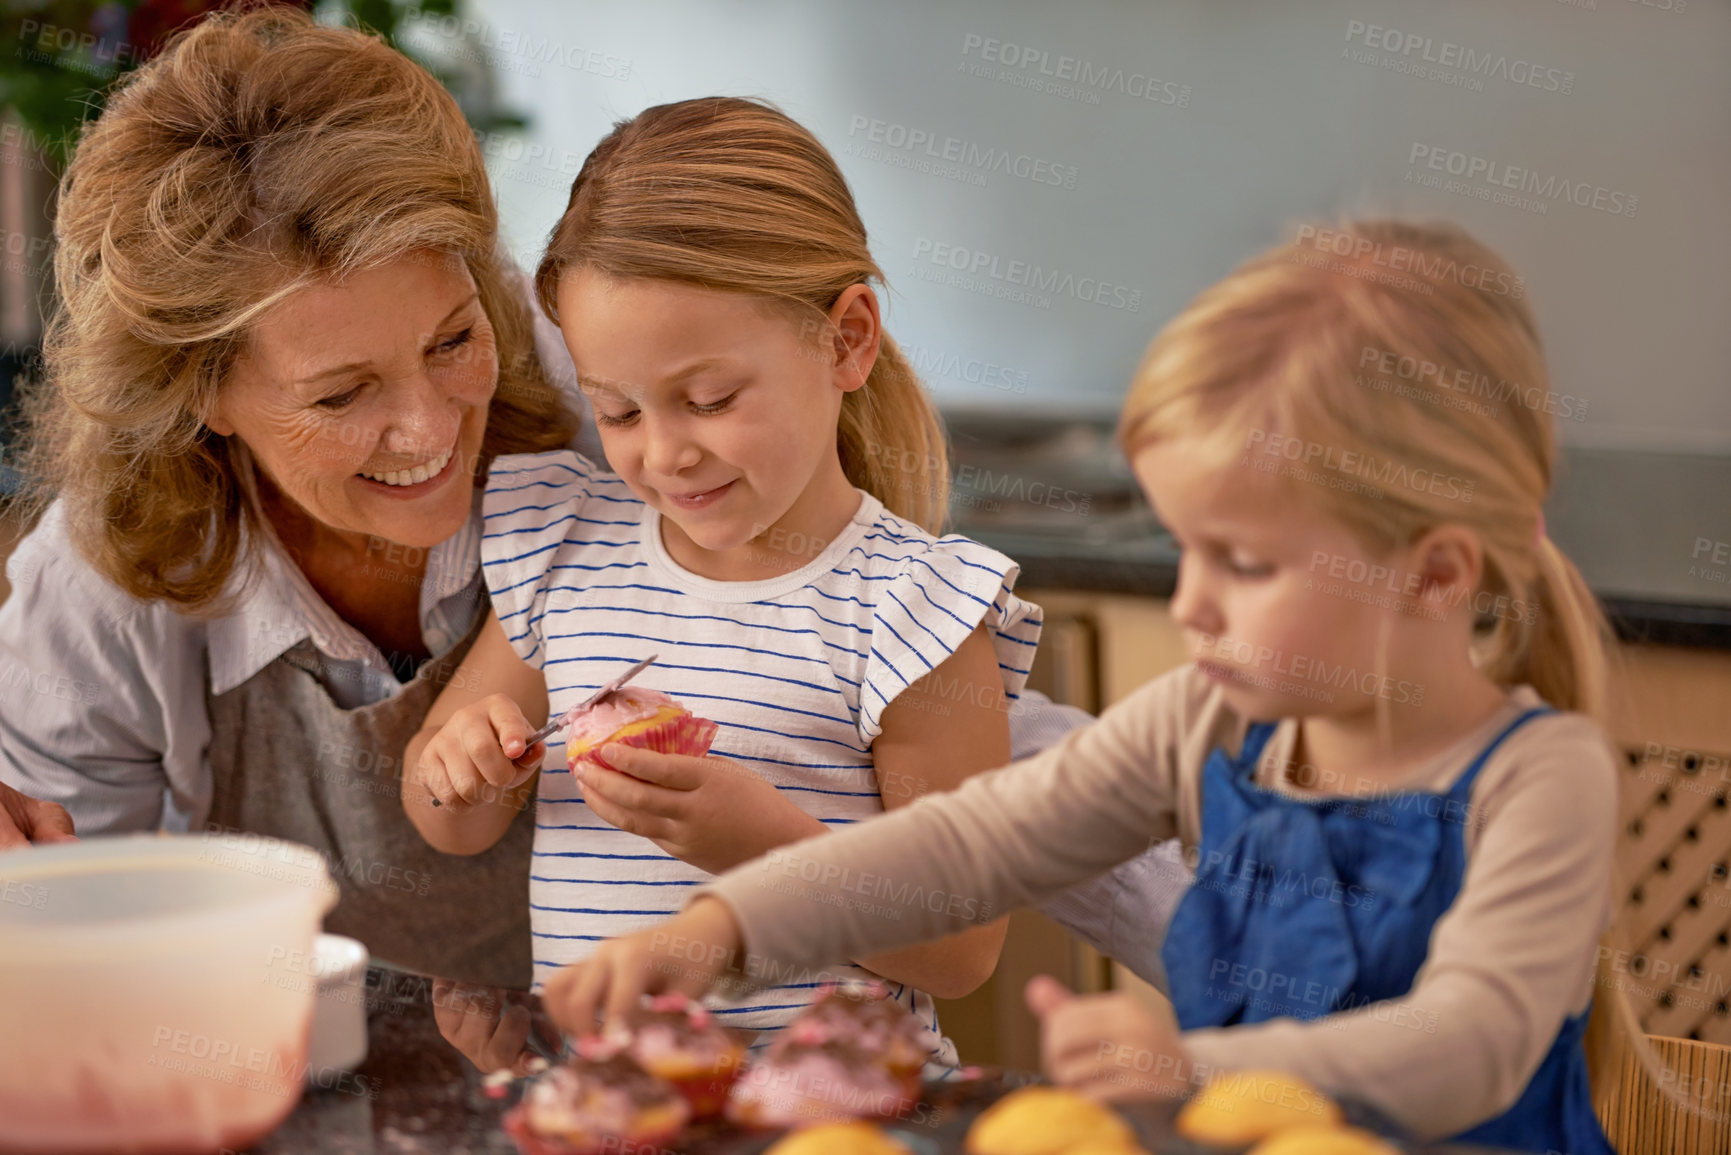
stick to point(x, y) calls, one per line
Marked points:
point(415, 1095)
point(1643, 527)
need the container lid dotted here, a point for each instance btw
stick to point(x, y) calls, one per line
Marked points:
point(153, 891)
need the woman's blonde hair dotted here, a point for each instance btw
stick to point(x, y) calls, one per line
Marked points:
point(732, 194)
point(258, 154)
point(1410, 351)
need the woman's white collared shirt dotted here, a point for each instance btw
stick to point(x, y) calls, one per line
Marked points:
point(103, 699)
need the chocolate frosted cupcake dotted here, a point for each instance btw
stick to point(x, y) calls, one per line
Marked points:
point(799, 1083)
point(586, 1106)
point(678, 1040)
point(864, 1015)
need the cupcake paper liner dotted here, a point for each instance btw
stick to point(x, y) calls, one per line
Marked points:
point(529, 1142)
point(686, 734)
point(706, 1094)
point(756, 1105)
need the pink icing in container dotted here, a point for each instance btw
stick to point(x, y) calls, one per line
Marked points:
point(158, 990)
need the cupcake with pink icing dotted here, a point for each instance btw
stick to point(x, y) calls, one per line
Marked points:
point(864, 1015)
point(596, 1103)
point(854, 1053)
point(678, 1040)
point(795, 1084)
point(639, 717)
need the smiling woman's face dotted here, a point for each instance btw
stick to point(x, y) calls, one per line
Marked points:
point(364, 402)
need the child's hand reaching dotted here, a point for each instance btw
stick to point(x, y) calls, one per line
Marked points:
point(1107, 1046)
point(478, 755)
point(710, 812)
point(689, 953)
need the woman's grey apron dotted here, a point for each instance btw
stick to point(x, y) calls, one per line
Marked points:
point(288, 762)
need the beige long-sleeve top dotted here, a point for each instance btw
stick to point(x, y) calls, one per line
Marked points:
point(1507, 962)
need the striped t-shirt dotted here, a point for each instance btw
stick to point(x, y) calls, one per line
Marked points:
point(796, 670)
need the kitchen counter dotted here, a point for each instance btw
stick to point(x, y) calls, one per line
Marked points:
point(415, 1095)
point(1643, 527)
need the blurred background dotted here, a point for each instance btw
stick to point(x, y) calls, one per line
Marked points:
point(1151, 147)
point(1045, 185)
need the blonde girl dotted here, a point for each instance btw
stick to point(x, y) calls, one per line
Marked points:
point(1383, 759)
point(769, 533)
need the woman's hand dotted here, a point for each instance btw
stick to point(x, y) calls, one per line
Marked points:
point(477, 755)
point(689, 953)
point(24, 820)
point(710, 812)
point(1110, 1046)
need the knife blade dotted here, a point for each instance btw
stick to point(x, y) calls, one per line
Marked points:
point(560, 719)
point(554, 723)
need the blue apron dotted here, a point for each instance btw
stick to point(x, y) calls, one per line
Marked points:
point(1306, 908)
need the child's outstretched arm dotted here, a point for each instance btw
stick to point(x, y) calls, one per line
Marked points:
point(947, 862)
point(953, 724)
point(458, 757)
point(716, 814)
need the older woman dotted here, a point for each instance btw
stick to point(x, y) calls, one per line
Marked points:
point(287, 350)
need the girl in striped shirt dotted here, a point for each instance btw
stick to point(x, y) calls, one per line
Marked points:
point(769, 535)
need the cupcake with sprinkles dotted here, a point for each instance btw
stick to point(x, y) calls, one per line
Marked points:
point(678, 1040)
point(593, 1103)
point(854, 1053)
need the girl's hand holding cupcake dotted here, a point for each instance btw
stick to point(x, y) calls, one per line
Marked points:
point(709, 811)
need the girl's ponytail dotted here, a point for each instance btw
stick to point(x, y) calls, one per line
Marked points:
point(1566, 657)
point(892, 443)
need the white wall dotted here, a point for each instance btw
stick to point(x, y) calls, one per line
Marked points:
point(1264, 113)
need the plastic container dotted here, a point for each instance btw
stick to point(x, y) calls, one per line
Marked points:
point(155, 991)
point(339, 1035)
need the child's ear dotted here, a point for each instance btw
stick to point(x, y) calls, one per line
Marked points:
point(1448, 558)
point(857, 334)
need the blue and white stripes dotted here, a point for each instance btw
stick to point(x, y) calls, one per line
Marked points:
point(797, 671)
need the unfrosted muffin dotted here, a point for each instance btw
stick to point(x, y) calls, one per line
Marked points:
point(1239, 1107)
point(1105, 1147)
point(1310, 1139)
point(1047, 1121)
point(853, 1138)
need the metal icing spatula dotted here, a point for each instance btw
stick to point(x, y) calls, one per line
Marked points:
point(560, 720)
point(556, 722)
